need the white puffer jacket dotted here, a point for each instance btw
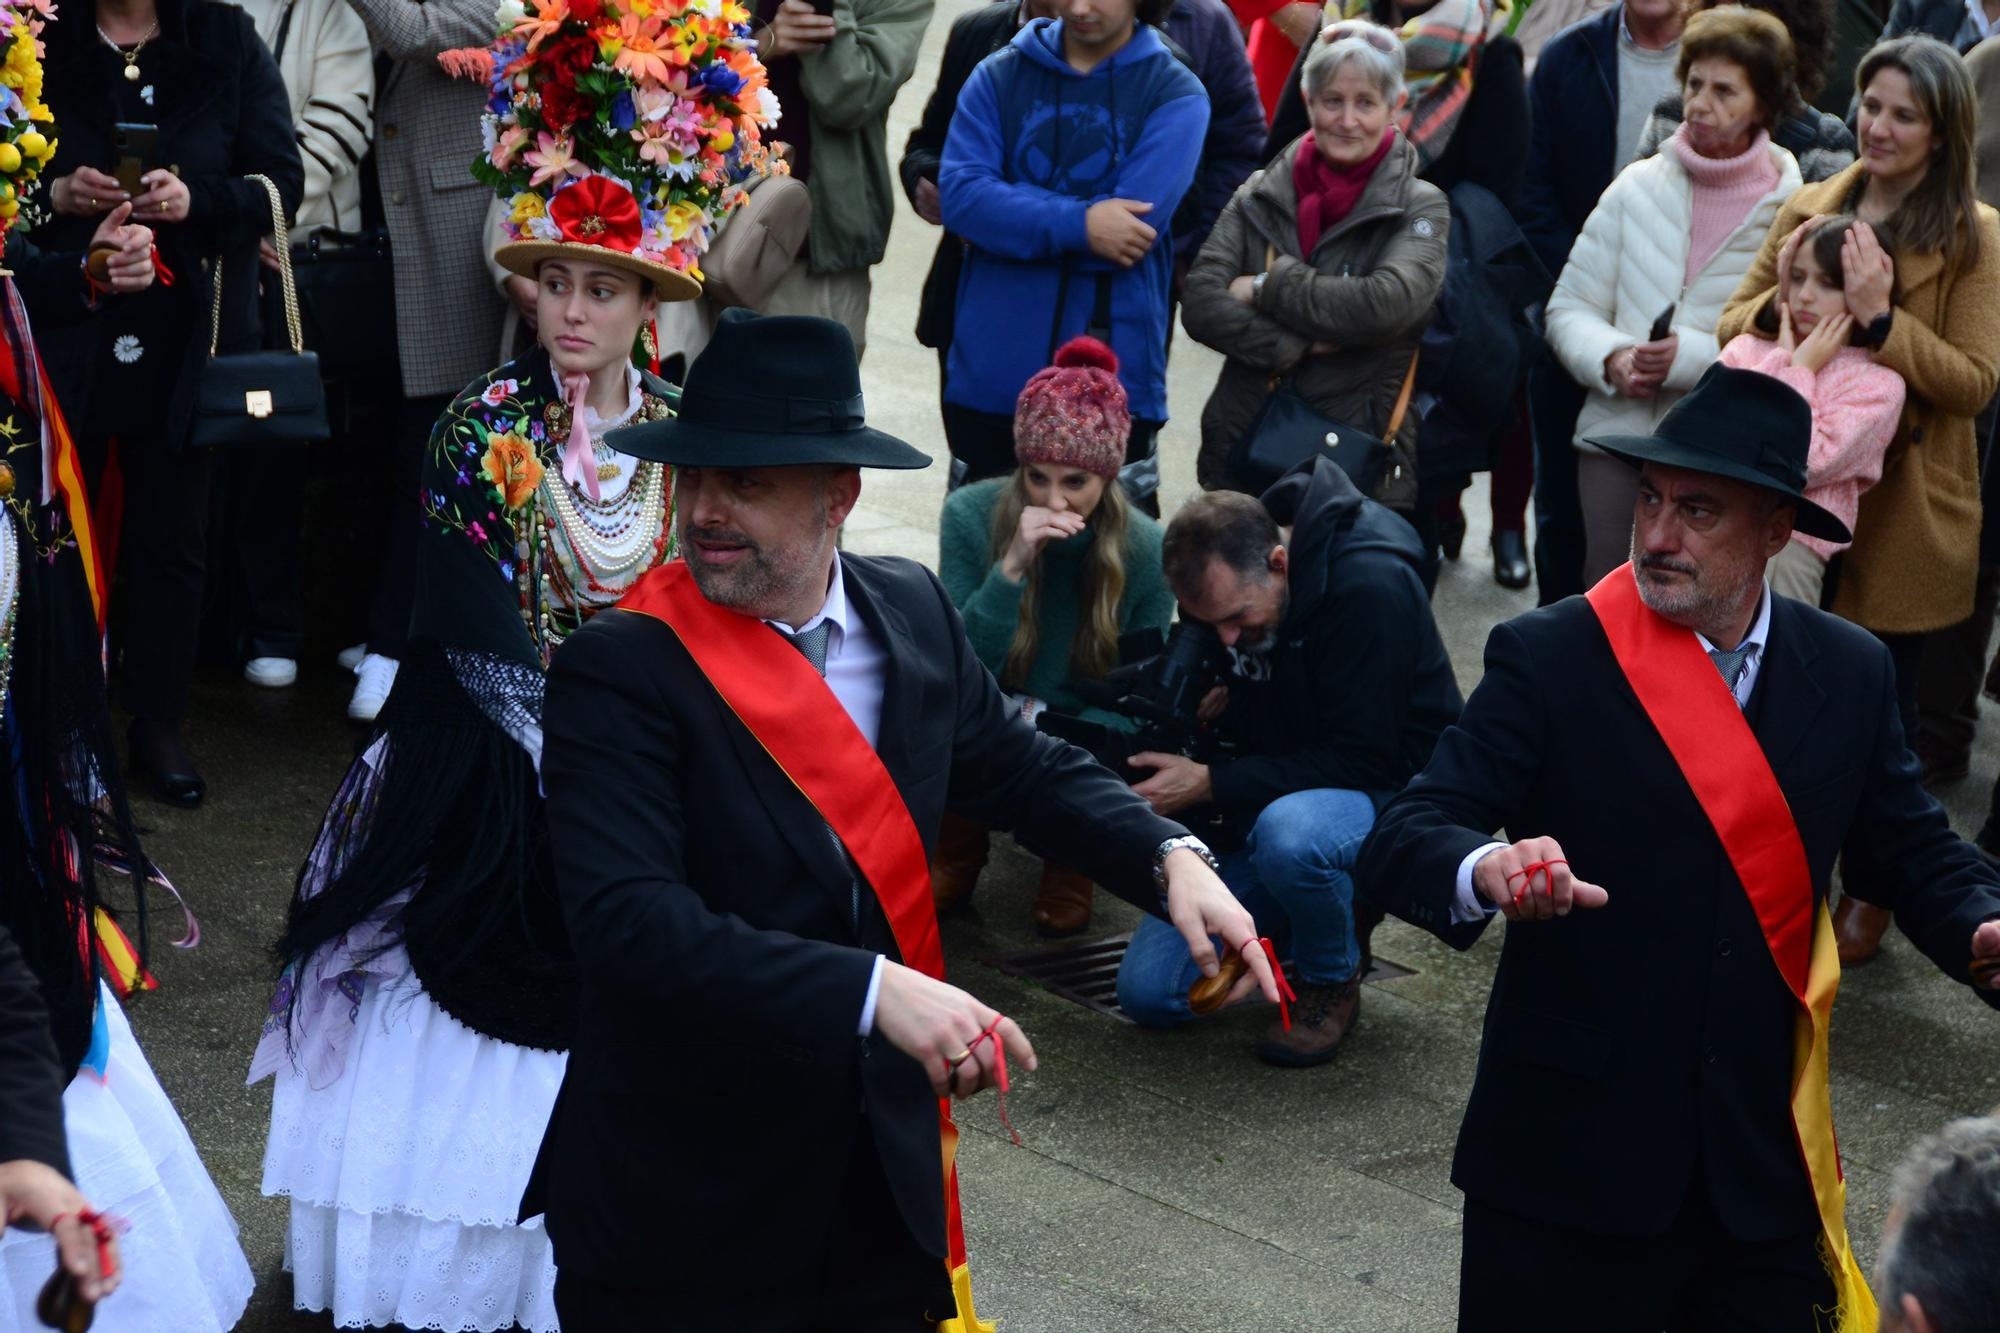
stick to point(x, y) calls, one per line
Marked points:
point(1627, 267)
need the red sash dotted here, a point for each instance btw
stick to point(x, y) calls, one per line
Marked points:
point(1696, 714)
point(786, 705)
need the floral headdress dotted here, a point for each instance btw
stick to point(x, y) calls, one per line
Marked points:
point(27, 126)
point(624, 127)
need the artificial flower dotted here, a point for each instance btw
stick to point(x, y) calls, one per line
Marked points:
point(526, 207)
point(545, 21)
point(563, 106)
point(499, 391)
point(638, 54)
point(508, 146)
point(553, 160)
point(510, 464)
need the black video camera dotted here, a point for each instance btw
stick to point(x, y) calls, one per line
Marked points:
point(1159, 684)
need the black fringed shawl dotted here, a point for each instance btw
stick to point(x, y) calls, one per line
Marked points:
point(456, 809)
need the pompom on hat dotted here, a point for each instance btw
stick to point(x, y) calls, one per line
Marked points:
point(620, 131)
point(1074, 414)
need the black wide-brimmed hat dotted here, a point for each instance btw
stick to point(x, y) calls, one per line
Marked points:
point(770, 391)
point(1742, 424)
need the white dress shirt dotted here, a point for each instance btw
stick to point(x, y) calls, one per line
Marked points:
point(857, 669)
point(1469, 906)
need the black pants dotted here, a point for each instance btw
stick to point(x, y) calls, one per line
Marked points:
point(396, 576)
point(266, 490)
point(1517, 1273)
point(1907, 652)
point(162, 556)
point(1553, 403)
point(868, 1276)
point(984, 442)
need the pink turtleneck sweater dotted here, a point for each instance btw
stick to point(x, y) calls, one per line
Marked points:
point(1725, 190)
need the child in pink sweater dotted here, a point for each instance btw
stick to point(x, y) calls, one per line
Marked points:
point(1856, 403)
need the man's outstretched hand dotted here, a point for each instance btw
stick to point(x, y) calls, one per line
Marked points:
point(1201, 906)
point(938, 1025)
point(1986, 948)
point(1531, 881)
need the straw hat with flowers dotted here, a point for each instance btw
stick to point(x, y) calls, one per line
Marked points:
point(620, 131)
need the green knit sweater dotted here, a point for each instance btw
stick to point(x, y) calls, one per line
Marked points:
point(991, 602)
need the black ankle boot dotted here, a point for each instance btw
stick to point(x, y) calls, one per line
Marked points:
point(157, 755)
point(1510, 559)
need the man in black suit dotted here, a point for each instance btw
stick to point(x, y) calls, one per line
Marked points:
point(34, 1155)
point(1631, 1155)
point(748, 1135)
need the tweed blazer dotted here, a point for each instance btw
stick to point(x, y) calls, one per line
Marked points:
point(447, 311)
point(1915, 556)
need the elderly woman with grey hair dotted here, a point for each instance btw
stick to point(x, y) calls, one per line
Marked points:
point(1322, 271)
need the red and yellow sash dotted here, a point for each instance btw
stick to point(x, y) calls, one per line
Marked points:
point(1696, 715)
point(787, 707)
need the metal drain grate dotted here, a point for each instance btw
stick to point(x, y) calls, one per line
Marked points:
point(1087, 974)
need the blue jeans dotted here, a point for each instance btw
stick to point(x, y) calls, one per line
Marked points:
point(1295, 876)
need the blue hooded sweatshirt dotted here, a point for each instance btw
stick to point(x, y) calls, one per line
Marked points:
point(1032, 146)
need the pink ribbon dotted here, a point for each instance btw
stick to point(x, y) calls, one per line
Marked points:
point(579, 456)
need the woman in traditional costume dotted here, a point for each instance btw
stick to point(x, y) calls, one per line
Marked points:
point(418, 1032)
point(63, 805)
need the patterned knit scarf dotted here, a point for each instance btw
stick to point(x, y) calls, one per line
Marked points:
point(1440, 55)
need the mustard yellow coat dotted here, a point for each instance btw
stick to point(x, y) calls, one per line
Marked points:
point(1915, 556)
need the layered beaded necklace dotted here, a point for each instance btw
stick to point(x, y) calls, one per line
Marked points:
point(580, 555)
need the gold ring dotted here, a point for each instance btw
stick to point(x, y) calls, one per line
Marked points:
point(954, 1061)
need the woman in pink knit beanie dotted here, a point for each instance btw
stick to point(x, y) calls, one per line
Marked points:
point(1049, 566)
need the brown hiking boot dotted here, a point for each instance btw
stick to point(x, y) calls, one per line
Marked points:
point(961, 855)
point(1062, 903)
point(1320, 1018)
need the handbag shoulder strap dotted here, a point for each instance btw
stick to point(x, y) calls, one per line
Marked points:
point(281, 241)
point(1402, 400)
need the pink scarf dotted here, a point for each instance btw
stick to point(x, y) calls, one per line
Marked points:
point(580, 454)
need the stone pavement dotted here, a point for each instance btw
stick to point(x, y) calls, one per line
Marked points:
point(1169, 1181)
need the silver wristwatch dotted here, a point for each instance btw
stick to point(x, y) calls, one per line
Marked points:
point(1188, 842)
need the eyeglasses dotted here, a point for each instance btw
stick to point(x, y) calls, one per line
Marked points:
point(1376, 36)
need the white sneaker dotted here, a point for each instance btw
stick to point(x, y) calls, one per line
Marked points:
point(377, 674)
point(273, 673)
point(350, 658)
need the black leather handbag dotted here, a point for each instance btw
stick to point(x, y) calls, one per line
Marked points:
point(1288, 430)
point(262, 397)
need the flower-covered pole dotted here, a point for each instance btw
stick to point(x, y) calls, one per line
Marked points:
point(27, 126)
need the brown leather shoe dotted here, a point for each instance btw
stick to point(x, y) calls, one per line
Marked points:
point(961, 855)
point(1858, 928)
point(1320, 1018)
point(1062, 903)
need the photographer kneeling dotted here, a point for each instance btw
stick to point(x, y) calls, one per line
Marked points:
point(1339, 690)
point(1049, 566)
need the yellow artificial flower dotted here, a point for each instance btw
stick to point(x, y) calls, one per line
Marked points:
point(527, 207)
point(682, 218)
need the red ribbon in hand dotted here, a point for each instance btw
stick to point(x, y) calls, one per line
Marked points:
point(1526, 874)
point(1286, 998)
point(999, 1074)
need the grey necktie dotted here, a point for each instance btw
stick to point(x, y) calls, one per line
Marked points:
point(1730, 664)
point(812, 646)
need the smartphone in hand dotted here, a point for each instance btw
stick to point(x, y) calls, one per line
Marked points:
point(137, 147)
point(1663, 325)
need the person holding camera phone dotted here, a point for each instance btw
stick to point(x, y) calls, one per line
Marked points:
point(165, 105)
point(1338, 691)
point(1049, 566)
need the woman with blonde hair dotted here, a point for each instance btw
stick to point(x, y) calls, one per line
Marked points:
point(1049, 565)
point(1929, 310)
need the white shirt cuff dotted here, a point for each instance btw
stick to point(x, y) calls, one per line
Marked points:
point(1469, 906)
point(868, 1005)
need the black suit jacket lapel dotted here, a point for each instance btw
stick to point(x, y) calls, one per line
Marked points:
point(1788, 698)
